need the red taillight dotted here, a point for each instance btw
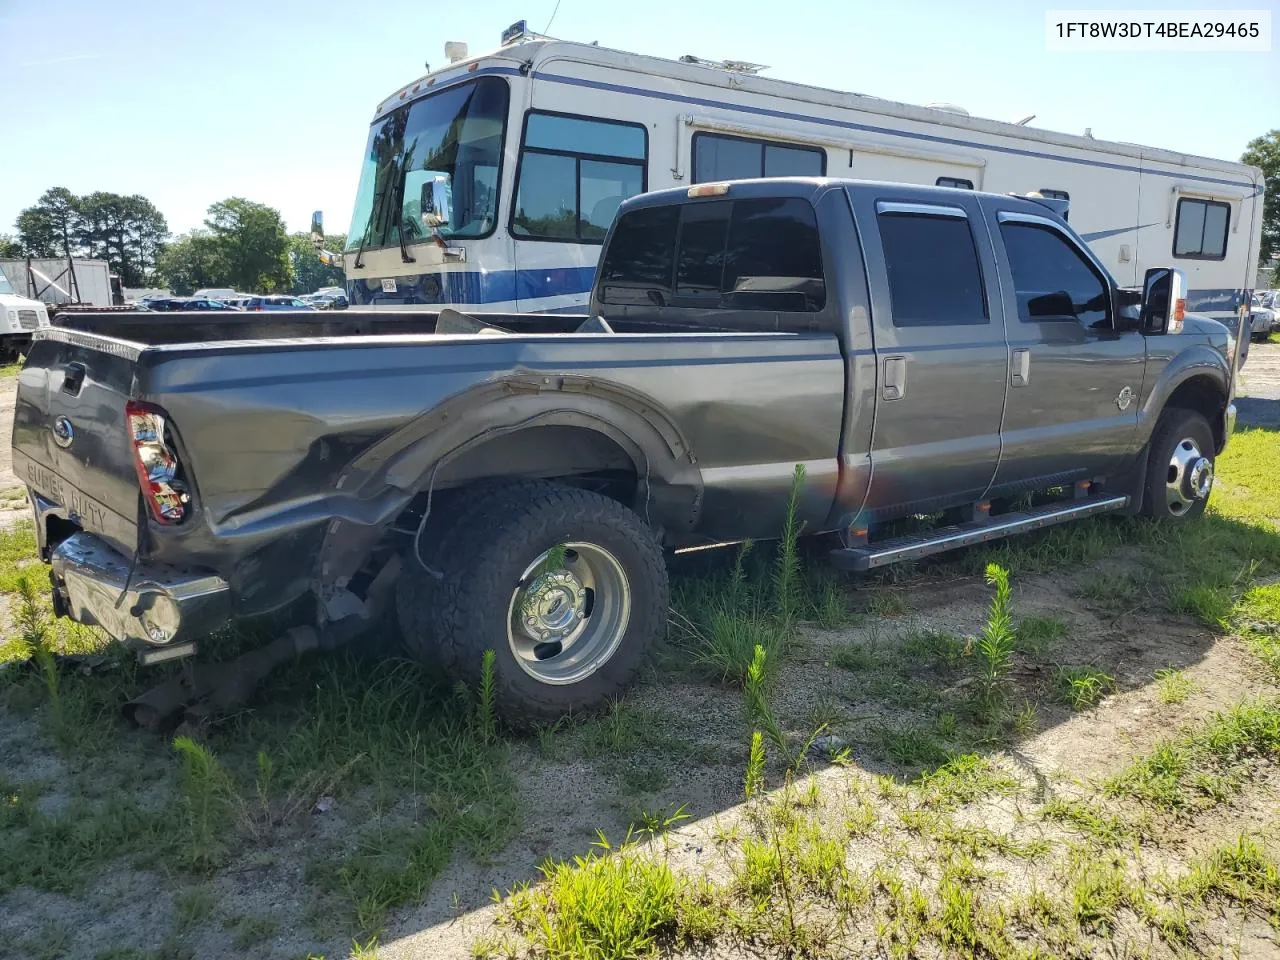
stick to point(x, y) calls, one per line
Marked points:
point(159, 472)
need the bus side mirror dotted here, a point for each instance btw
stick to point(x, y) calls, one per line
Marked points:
point(1164, 300)
point(317, 229)
point(436, 201)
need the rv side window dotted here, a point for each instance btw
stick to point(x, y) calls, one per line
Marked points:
point(573, 174)
point(1052, 279)
point(956, 182)
point(721, 254)
point(1201, 230)
point(932, 264)
point(717, 157)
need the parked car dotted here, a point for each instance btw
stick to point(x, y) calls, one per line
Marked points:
point(276, 303)
point(901, 349)
point(216, 293)
point(326, 301)
point(1264, 315)
point(186, 303)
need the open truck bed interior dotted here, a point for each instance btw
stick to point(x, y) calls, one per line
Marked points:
point(197, 327)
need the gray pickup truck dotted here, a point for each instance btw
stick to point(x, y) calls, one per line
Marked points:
point(511, 482)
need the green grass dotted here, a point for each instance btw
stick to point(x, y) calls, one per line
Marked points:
point(1035, 632)
point(1210, 603)
point(1239, 872)
point(1258, 618)
point(1096, 824)
point(1173, 685)
point(1206, 765)
point(61, 852)
point(250, 931)
point(855, 657)
point(966, 779)
point(912, 746)
point(607, 905)
point(192, 907)
point(1082, 687)
point(1098, 887)
point(938, 648)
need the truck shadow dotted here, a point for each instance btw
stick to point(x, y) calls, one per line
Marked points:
point(1258, 412)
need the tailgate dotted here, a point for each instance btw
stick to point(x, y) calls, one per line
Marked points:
point(70, 443)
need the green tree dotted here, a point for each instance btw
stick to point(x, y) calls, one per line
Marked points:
point(309, 274)
point(252, 245)
point(48, 227)
point(1264, 152)
point(192, 261)
point(10, 247)
point(127, 232)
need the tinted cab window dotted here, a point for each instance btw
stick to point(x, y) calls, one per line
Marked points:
point(932, 266)
point(754, 254)
point(1052, 279)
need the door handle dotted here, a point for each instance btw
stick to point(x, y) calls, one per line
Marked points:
point(895, 378)
point(1020, 371)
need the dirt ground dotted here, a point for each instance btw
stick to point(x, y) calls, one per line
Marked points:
point(13, 503)
point(688, 750)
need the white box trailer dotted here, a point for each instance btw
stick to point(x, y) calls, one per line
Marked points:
point(50, 280)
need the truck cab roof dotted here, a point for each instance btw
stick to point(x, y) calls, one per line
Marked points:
point(810, 188)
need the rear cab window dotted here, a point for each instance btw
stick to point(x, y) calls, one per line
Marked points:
point(750, 254)
point(932, 266)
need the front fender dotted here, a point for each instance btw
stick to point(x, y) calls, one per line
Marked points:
point(1194, 360)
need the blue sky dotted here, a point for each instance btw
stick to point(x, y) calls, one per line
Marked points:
point(189, 103)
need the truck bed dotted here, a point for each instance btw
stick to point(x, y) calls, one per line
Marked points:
point(157, 329)
point(289, 424)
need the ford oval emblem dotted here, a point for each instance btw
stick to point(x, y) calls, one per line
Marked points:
point(63, 433)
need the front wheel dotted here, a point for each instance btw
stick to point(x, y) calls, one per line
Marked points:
point(567, 587)
point(1180, 471)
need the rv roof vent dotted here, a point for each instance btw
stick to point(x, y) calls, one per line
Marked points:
point(732, 66)
point(947, 108)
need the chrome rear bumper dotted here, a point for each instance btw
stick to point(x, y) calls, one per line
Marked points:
point(155, 608)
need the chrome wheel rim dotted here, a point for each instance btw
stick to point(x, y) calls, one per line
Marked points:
point(1190, 477)
point(568, 613)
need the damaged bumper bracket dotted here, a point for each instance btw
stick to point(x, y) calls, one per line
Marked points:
point(162, 608)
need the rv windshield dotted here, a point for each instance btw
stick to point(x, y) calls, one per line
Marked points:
point(5, 285)
point(456, 136)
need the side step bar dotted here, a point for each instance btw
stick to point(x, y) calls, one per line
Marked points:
point(914, 547)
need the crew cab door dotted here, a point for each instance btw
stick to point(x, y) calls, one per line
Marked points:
point(1074, 380)
point(940, 349)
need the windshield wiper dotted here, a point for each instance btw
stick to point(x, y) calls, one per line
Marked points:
point(399, 211)
point(375, 215)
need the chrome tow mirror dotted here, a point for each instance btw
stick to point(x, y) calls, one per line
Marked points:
point(1164, 301)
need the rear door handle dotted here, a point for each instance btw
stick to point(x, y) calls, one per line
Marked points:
point(1020, 371)
point(895, 378)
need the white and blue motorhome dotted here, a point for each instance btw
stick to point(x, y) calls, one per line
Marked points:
point(490, 183)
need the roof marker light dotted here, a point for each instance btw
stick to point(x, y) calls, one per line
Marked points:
point(709, 190)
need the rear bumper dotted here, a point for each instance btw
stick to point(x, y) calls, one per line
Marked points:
point(156, 608)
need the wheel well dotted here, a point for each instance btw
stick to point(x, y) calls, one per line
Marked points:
point(576, 456)
point(1204, 396)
